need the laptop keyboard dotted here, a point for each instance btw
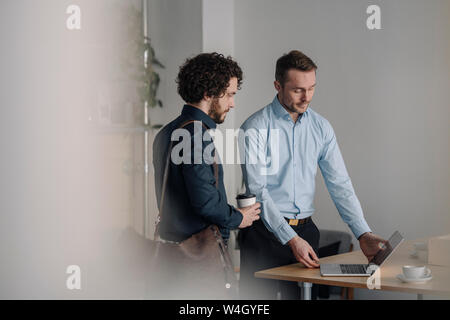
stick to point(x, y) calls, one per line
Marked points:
point(353, 268)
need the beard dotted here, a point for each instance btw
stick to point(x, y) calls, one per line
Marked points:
point(215, 112)
point(298, 108)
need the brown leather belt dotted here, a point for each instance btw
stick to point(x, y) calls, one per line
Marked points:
point(295, 222)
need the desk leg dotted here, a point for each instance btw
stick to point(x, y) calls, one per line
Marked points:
point(306, 290)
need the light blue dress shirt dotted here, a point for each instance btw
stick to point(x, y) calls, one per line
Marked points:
point(283, 177)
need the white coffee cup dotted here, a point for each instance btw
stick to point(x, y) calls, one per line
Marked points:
point(245, 200)
point(416, 272)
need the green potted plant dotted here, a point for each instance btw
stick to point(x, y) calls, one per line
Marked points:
point(151, 79)
point(139, 63)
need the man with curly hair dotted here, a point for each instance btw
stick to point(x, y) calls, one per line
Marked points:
point(195, 195)
point(207, 83)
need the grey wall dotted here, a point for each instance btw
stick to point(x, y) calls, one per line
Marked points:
point(175, 28)
point(386, 93)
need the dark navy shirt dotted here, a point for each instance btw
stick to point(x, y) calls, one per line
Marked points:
point(192, 201)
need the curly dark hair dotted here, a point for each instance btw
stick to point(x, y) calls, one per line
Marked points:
point(207, 74)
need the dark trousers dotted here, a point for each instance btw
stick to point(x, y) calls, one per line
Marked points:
point(261, 250)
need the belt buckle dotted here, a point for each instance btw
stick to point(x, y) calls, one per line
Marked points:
point(293, 222)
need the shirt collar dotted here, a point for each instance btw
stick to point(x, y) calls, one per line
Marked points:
point(197, 114)
point(281, 112)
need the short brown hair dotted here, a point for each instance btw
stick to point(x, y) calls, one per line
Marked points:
point(293, 60)
point(207, 74)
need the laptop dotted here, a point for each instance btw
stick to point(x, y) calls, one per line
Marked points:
point(363, 270)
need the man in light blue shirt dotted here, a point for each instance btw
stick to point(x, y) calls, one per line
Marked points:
point(283, 144)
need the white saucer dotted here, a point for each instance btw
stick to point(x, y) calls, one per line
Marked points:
point(402, 278)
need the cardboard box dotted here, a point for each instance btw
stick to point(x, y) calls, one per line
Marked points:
point(439, 250)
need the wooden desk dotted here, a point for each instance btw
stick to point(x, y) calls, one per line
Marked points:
point(439, 285)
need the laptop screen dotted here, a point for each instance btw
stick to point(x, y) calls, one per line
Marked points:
point(391, 245)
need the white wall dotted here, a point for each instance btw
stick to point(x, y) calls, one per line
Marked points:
point(218, 26)
point(385, 92)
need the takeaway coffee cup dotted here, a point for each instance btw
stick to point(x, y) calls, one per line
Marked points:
point(245, 200)
point(416, 272)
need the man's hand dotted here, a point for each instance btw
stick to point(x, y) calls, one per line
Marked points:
point(303, 252)
point(370, 244)
point(250, 214)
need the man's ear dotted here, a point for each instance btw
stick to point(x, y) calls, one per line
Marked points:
point(206, 102)
point(277, 85)
point(207, 99)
